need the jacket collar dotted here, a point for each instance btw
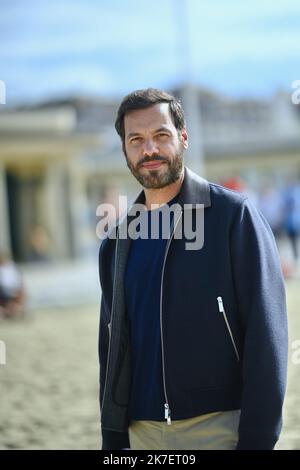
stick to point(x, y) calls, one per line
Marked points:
point(194, 190)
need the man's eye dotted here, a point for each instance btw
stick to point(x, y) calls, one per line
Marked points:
point(135, 139)
point(162, 134)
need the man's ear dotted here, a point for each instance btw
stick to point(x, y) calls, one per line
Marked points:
point(184, 138)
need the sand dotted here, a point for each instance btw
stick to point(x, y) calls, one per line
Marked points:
point(49, 385)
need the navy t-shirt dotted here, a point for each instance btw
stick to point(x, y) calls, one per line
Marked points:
point(142, 287)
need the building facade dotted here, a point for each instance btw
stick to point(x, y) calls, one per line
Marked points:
point(61, 159)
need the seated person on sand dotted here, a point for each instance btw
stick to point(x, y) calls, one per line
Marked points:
point(12, 293)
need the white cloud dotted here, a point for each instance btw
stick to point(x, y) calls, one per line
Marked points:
point(101, 45)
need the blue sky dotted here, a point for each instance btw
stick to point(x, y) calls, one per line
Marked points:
point(61, 47)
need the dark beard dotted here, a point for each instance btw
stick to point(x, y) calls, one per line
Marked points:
point(155, 180)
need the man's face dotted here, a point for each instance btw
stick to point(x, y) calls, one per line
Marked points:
point(153, 147)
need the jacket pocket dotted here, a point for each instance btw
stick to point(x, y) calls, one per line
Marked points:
point(223, 312)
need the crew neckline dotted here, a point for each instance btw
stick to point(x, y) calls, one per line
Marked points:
point(169, 203)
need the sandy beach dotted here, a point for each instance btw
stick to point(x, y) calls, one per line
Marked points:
point(49, 385)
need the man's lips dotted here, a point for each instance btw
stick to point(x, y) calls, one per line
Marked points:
point(153, 165)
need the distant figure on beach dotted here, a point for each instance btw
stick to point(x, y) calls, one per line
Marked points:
point(39, 245)
point(292, 216)
point(271, 206)
point(12, 292)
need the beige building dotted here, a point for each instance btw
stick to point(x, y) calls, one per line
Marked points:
point(48, 181)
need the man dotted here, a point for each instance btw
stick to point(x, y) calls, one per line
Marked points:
point(193, 342)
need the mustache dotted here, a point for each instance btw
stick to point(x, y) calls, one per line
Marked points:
point(152, 159)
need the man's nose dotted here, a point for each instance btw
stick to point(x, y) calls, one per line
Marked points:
point(150, 148)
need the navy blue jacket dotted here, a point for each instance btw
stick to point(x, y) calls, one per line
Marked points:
point(218, 354)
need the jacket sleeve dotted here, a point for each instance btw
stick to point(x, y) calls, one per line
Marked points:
point(111, 440)
point(260, 292)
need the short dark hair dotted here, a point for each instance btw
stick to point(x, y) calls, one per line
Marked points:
point(142, 99)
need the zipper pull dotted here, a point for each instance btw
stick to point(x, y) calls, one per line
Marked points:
point(220, 302)
point(167, 413)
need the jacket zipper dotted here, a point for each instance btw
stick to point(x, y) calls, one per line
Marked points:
point(222, 310)
point(110, 323)
point(167, 409)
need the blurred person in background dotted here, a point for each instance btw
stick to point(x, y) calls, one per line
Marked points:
point(292, 215)
point(234, 182)
point(12, 292)
point(193, 342)
point(237, 183)
point(39, 245)
point(270, 203)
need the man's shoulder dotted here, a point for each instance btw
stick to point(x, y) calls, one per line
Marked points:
point(201, 190)
point(226, 199)
point(237, 206)
point(229, 194)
